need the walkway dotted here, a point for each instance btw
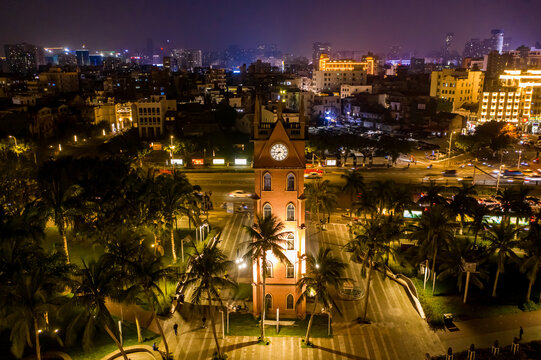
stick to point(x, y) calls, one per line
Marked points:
point(483, 332)
point(396, 332)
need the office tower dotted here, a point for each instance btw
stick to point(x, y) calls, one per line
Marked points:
point(319, 48)
point(496, 40)
point(24, 59)
point(83, 57)
point(187, 59)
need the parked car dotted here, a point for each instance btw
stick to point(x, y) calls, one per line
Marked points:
point(449, 173)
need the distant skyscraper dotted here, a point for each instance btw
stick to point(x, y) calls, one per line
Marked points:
point(496, 40)
point(187, 59)
point(149, 50)
point(477, 48)
point(319, 48)
point(24, 58)
point(447, 47)
point(83, 57)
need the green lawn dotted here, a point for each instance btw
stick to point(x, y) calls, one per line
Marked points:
point(246, 325)
point(104, 345)
point(243, 291)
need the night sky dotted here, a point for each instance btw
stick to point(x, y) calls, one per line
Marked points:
point(290, 24)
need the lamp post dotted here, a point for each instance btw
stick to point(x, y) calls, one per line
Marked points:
point(15, 139)
point(519, 155)
point(449, 151)
point(499, 174)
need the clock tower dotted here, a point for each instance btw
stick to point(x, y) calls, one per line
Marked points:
point(279, 163)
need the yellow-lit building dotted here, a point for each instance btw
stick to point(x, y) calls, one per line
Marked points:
point(459, 86)
point(326, 64)
point(332, 74)
point(516, 99)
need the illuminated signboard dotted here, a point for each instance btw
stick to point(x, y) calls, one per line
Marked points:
point(331, 162)
point(177, 162)
point(218, 161)
point(198, 161)
point(240, 162)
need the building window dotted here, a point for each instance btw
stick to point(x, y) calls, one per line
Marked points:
point(267, 182)
point(290, 242)
point(290, 215)
point(269, 269)
point(290, 302)
point(268, 301)
point(290, 182)
point(290, 271)
point(267, 211)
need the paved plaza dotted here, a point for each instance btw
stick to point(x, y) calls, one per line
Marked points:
point(396, 331)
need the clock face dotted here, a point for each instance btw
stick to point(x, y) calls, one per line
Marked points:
point(278, 152)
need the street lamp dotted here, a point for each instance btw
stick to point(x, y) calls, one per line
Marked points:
point(14, 139)
point(171, 140)
point(499, 174)
point(449, 151)
point(519, 155)
point(75, 138)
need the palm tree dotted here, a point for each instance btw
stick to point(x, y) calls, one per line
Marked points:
point(208, 266)
point(373, 245)
point(144, 275)
point(175, 194)
point(478, 214)
point(453, 260)
point(432, 195)
point(25, 303)
point(435, 231)
point(267, 236)
point(502, 241)
point(382, 191)
point(353, 186)
point(95, 283)
point(59, 195)
point(322, 271)
point(532, 261)
point(463, 201)
point(321, 197)
point(400, 200)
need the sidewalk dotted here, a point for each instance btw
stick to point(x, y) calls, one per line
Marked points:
point(483, 332)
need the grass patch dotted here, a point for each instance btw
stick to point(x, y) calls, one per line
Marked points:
point(437, 305)
point(247, 325)
point(243, 291)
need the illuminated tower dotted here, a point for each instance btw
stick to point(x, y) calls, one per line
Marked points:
point(279, 164)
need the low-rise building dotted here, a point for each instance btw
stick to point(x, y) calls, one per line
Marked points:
point(457, 85)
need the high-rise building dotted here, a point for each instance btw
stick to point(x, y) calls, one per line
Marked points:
point(457, 85)
point(24, 58)
point(319, 48)
point(83, 57)
point(496, 40)
point(516, 99)
point(187, 59)
point(279, 164)
point(447, 47)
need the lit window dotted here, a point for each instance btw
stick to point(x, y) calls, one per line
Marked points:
point(267, 211)
point(290, 242)
point(269, 269)
point(267, 182)
point(290, 271)
point(290, 303)
point(290, 216)
point(290, 182)
point(268, 301)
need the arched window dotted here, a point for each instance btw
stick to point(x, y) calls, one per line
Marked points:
point(290, 215)
point(290, 182)
point(290, 302)
point(290, 271)
point(267, 182)
point(269, 269)
point(290, 242)
point(267, 211)
point(268, 301)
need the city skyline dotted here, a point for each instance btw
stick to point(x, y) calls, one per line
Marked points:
point(293, 27)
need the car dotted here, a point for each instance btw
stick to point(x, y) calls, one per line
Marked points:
point(527, 172)
point(239, 194)
point(490, 202)
point(512, 173)
point(466, 179)
point(449, 173)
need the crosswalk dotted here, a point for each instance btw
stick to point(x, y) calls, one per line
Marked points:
point(396, 331)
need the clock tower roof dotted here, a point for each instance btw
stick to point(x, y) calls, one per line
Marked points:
point(262, 149)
